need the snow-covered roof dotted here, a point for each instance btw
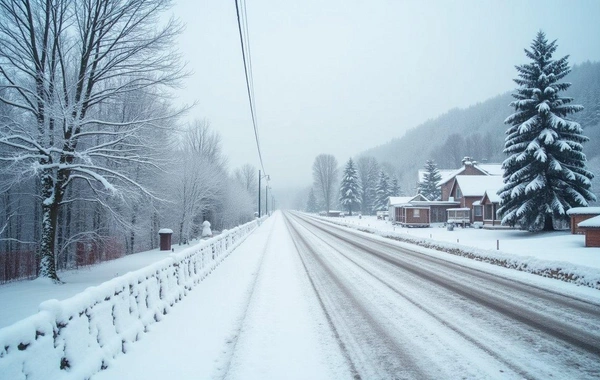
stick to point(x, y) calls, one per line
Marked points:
point(491, 169)
point(583, 211)
point(397, 201)
point(476, 185)
point(165, 231)
point(477, 203)
point(590, 223)
point(450, 174)
point(446, 174)
point(492, 195)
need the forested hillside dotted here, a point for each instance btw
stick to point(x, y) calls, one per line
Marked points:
point(478, 131)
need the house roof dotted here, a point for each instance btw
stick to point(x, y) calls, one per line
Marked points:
point(590, 223)
point(450, 175)
point(399, 200)
point(491, 169)
point(584, 211)
point(396, 201)
point(476, 185)
point(485, 169)
point(446, 174)
point(492, 195)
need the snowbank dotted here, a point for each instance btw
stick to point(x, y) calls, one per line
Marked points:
point(76, 337)
point(561, 270)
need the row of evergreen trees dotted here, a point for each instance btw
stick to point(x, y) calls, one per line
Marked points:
point(351, 189)
point(356, 195)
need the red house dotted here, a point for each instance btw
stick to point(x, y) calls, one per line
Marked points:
point(469, 190)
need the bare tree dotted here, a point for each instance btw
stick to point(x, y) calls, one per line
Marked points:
point(60, 60)
point(199, 177)
point(206, 143)
point(247, 176)
point(325, 170)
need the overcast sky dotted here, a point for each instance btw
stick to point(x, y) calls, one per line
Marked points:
point(342, 76)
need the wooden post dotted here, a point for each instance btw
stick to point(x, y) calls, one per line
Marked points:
point(497, 245)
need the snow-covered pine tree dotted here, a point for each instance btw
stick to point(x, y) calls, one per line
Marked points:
point(311, 205)
point(545, 173)
point(429, 187)
point(383, 192)
point(350, 188)
point(395, 188)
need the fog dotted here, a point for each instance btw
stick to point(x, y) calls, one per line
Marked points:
point(339, 76)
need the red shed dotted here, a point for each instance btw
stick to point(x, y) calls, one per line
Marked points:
point(579, 214)
point(591, 229)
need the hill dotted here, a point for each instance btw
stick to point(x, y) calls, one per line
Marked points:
point(478, 131)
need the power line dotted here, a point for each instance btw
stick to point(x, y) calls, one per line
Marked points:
point(248, 73)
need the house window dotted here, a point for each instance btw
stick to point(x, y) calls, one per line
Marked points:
point(458, 193)
point(416, 213)
point(477, 210)
point(489, 212)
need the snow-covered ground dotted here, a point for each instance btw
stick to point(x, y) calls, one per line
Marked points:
point(551, 246)
point(21, 299)
point(253, 318)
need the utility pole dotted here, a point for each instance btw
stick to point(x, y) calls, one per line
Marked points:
point(267, 199)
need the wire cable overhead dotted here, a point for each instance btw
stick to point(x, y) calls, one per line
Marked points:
point(242, 21)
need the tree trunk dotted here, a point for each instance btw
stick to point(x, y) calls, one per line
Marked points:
point(50, 204)
point(548, 224)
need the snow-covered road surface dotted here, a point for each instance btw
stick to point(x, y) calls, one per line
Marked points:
point(407, 315)
point(304, 299)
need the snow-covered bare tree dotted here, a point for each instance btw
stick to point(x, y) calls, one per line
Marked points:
point(368, 171)
point(545, 173)
point(247, 176)
point(198, 178)
point(429, 187)
point(325, 170)
point(350, 188)
point(60, 62)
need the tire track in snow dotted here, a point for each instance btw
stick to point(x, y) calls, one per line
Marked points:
point(342, 346)
point(452, 326)
point(365, 339)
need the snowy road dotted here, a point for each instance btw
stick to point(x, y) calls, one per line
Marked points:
point(400, 314)
point(304, 299)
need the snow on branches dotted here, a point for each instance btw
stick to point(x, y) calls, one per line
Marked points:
point(544, 173)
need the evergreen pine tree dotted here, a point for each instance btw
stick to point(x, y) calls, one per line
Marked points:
point(372, 192)
point(350, 188)
point(395, 188)
point(429, 188)
point(311, 205)
point(544, 174)
point(382, 192)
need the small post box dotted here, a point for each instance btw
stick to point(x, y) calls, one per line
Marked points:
point(165, 238)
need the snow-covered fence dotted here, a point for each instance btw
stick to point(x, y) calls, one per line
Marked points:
point(77, 337)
